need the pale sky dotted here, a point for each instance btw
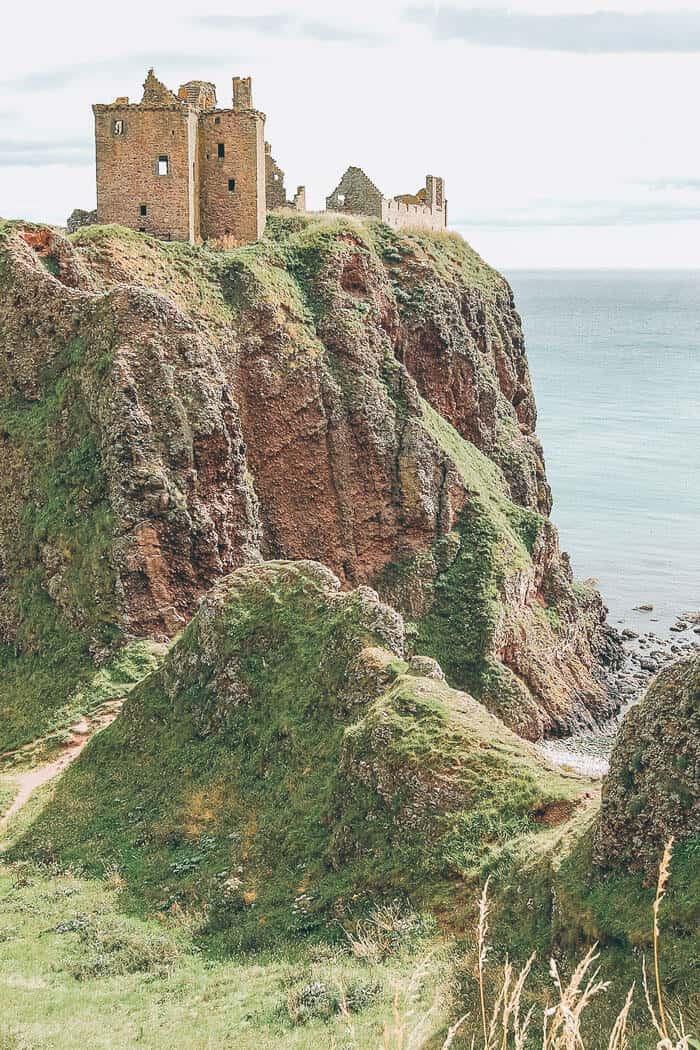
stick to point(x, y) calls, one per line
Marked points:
point(566, 131)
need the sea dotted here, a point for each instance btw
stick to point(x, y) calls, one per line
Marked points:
point(615, 364)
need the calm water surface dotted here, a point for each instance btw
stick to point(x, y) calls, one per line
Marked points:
point(615, 362)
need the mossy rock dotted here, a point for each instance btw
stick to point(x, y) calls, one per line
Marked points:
point(285, 767)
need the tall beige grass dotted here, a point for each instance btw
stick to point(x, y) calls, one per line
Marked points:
point(503, 1025)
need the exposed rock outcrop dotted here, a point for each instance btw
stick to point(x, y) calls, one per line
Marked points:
point(168, 414)
point(652, 791)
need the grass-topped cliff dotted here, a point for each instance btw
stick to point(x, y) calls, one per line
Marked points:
point(338, 390)
point(292, 771)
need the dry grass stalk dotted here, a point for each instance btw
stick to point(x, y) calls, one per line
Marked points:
point(618, 1036)
point(405, 1032)
point(483, 948)
point(664, 873)
point(562, 1022)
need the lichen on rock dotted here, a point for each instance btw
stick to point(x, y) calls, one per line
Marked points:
point(652, 792)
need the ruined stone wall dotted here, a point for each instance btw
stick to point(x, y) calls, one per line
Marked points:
point(232, 187)
point(127, 168)
point(400, 215)
point(274, 181)
point(356, 194)
point(426, 209)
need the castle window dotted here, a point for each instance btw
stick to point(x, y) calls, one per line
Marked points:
point(117, 127)
point(143, 210)
point(217, 120)
point(232, 185)
point(163, 166)
point(142, 229)
point(220, 152)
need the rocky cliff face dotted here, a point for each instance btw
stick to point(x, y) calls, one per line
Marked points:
point(339, 391)
point(652, 791)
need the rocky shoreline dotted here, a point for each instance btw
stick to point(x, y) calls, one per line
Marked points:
point(646, 653)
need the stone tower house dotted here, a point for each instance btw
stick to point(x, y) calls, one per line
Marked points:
point(179, 168)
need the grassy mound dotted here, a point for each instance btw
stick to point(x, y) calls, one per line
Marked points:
point(285, 769)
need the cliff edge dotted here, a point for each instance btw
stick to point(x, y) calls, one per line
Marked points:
point(339, 391)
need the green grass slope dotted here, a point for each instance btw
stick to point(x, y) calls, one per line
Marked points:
point(285, 769)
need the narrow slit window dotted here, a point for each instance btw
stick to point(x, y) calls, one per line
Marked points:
point(163, 166)
point(220, 151)
point(232, 185)
point(118, 127)
point(143, 210)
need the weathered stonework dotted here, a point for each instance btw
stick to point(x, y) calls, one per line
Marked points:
point(274, 181)
point(79, 217)
point(179, 168)
point(274, 186)
point(356, 194)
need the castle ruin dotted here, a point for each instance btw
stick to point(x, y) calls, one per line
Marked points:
point(356, 194)
point(180, 168)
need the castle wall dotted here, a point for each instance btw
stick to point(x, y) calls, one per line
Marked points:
point(275, 192)
point(127, 168)
point(356, 194)
point(300, 198)
point(237, 212)
point(397, 214)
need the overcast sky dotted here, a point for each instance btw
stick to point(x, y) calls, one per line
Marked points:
point(566, 130)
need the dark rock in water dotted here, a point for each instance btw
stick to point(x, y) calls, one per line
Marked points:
point(653, 789)
point(680, 627)
point(629, 634)
point(644, 608)
point(649, 665)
